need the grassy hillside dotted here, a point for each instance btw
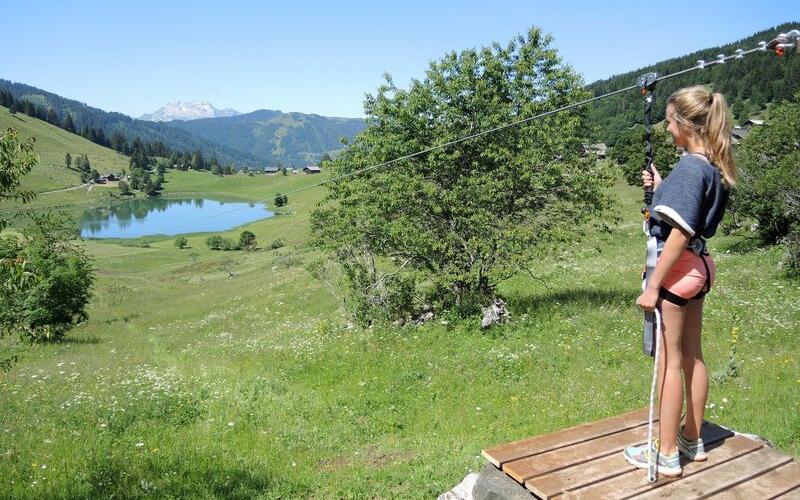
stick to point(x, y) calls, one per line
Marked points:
point(51, 144)
point(186, 383)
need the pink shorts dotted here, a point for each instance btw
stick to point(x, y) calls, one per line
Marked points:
point(688, 276)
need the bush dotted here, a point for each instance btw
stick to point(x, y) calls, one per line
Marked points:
point(181, 242)
point(217, 242)
point(46, 280)
point(792, 244)
point(247, 240)
point(281, 200)
point(124, 188)
point(277, 243)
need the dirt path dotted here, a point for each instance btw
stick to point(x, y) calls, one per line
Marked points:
point(64, 189)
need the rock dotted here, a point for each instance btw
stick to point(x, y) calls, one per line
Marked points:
point(494, 484)
point(463, 490)
point(495, 314)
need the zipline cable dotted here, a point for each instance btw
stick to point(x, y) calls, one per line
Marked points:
point(779, 45)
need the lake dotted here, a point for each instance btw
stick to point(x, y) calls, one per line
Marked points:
point(152, 216)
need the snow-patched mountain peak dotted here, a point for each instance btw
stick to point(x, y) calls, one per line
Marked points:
point(189, 110)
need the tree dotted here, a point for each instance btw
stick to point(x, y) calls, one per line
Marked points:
point(467, 217)
point(68, 160)
point(124, 188)
point(326, 158)
point(768, 161)
point(52, 116)
point(197, 161)
point(69, 125)
point(17, 158)
point(181, 242)
point(217, 242)
point(55, 287)
point(281, 200)
point(247, 240)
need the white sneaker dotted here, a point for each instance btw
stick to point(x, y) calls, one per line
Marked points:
point(693, 450)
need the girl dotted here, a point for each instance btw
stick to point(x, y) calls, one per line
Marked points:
point(687, 208)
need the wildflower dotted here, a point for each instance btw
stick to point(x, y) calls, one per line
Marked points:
point(230, 424)
point(139, 444)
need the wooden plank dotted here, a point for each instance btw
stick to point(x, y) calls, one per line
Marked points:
point(635, 482)
point(790, 495)
point(580, 475)
point(527, 468)
point(499, 455)
point(772, 484)
point(723, 476)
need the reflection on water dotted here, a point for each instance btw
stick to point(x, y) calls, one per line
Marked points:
point(151, 216)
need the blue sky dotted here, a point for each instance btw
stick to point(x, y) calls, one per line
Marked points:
point(322, 57)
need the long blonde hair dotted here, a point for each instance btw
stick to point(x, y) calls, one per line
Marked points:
point(706, 114)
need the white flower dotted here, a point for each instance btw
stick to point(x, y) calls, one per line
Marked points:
point(139, 444)
point(230, 424)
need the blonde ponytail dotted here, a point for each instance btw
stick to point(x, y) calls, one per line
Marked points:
point(707, 115)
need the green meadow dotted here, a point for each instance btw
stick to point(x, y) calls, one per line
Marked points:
point(185, 382)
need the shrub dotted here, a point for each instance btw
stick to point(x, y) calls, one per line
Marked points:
point(124, 188)
point(217, 242)
point(46, 280)
point(247, 240)
point(181, 242)
point(277, 243)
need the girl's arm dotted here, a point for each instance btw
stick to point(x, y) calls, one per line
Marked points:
point(676, 243)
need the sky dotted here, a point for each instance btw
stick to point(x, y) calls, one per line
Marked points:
point(323, 57)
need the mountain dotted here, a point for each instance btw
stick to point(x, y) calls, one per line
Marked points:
point(748, 84)
point(85, 116)
point(189, 110)
point(293, 139)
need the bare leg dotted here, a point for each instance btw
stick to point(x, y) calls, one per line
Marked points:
point(694, 369)
point(670, 390)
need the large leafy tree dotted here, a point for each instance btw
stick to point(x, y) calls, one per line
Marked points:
point(462, 218)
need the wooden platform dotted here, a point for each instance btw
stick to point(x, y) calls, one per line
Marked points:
point(586, 462)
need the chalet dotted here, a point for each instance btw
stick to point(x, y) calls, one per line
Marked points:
point(271, 170)
point(740, 132)
point(102, 179)
point(312, 169)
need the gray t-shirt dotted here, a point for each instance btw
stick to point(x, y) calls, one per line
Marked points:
point(692, 197)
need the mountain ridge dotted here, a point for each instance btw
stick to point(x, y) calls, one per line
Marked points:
point(187, 110)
